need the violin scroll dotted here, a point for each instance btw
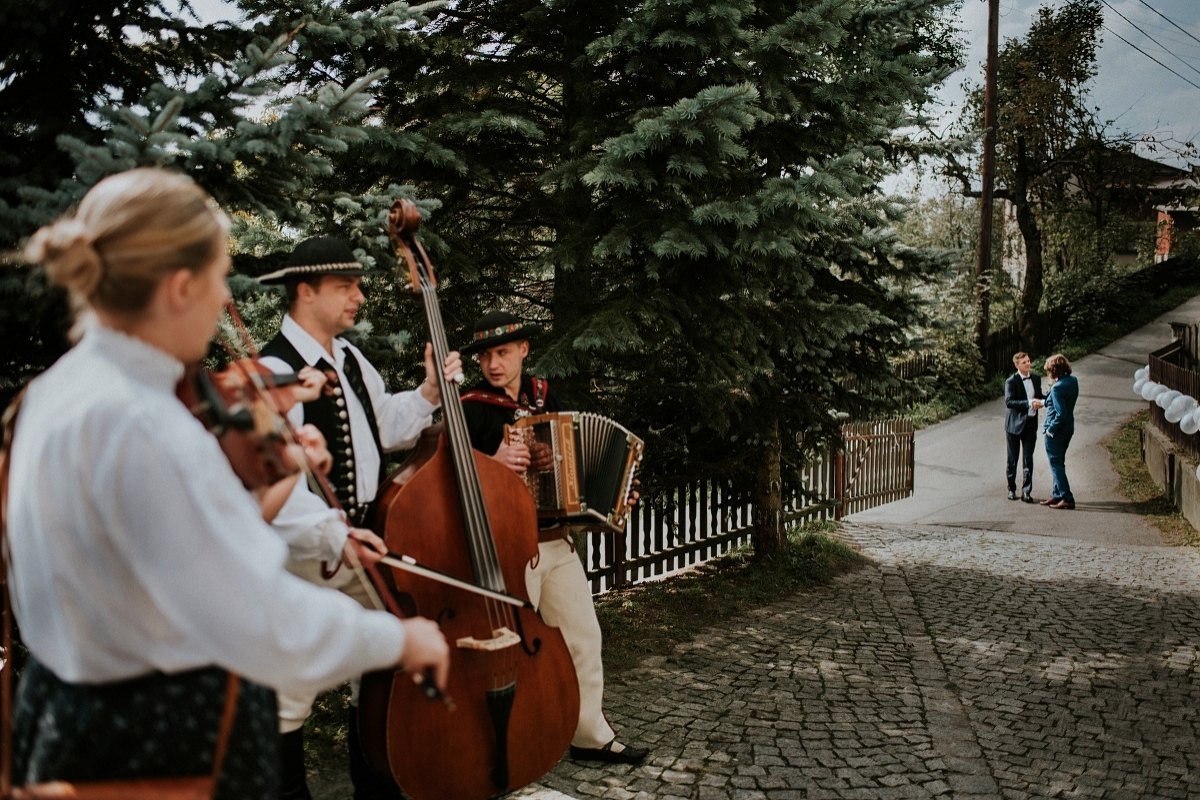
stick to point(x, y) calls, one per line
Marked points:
point(233, 405)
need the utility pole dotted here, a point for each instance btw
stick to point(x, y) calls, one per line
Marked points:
point(984, 261)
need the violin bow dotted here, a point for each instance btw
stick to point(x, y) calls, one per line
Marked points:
point(394, 560)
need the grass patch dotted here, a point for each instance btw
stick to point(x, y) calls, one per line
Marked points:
point(1125, 452)
point(651, 618)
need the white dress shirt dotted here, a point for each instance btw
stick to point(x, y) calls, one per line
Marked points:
point(312, 529)
point(135, 547)
point(1025, 379)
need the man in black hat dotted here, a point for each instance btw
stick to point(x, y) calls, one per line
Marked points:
point(556, 582)
point(361, 421)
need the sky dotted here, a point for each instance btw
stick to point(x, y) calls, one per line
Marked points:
point(1140, 96)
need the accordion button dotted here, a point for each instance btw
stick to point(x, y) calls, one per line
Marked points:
point(345, 429)
point(350, 474)
point(342, 414)
point(341, 403)
point(346, 439)
point(337, 391)
point(349, 452)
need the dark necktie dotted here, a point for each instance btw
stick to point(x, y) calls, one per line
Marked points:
point(353, 373)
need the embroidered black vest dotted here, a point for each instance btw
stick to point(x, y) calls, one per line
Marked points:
point(328, 413)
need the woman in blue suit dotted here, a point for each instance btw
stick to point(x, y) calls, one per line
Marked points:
point(1060, 427)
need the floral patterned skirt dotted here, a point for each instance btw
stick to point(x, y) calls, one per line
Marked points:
point(155, 726)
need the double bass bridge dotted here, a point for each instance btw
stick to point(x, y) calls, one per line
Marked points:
point(501, 638)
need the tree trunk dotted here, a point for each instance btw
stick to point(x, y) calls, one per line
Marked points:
point(769, 534)
point(1031, 294)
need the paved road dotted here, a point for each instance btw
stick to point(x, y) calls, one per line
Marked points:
point(992, 650)
point(960, 462)
point(966, 664)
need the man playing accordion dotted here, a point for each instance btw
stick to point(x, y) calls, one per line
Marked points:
point(556, 581)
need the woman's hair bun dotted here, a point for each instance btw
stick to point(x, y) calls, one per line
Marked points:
point(66, 250)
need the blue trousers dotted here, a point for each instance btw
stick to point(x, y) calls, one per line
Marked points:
point(1056, 453)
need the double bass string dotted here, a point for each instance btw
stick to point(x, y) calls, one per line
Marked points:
point(479, 527)
point(474, 510)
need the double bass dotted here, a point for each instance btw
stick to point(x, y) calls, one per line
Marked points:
point(515, 695)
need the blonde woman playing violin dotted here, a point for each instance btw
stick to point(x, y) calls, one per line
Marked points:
point(141, 570)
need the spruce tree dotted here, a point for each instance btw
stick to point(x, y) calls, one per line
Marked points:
point(687, 193)
point(217, 102)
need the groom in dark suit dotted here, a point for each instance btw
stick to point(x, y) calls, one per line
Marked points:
point(1023, 396)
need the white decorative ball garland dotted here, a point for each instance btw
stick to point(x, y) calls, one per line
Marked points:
point(1178, 408)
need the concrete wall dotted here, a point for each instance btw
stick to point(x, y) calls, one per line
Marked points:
point(1174, 472)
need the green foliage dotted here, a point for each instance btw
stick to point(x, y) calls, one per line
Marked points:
point(149, 87)
point(685, 193)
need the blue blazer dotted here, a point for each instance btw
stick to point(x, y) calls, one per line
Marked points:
point(1018, 404)
point(1060, 406)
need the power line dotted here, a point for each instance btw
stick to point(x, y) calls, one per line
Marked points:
point(1168, 19)
point(1151, 38)
point(1152, 58)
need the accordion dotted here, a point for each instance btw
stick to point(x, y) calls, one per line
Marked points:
point(582, 466)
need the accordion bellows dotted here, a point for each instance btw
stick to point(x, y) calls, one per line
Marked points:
point(587, 465)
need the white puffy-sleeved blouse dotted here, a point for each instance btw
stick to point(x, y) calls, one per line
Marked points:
point(135, 547)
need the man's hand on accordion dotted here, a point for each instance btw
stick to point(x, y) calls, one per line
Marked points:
point(514, 456)
point(541, 457)
point(634, 495)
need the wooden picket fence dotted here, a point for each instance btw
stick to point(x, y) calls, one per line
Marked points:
point(704, 519)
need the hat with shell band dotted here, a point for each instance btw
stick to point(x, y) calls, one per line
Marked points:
point(320, 255)
point(497, 328)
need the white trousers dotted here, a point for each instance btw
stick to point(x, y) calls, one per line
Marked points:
point(558, 588)
point(295, 708)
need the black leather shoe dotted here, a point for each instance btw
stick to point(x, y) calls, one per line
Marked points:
point(630, 755)
point(1027, 498)
point(1012, 494)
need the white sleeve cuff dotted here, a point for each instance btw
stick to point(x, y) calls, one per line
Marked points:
point(333, 534)
point(381, 633)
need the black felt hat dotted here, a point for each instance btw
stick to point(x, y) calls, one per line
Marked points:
point(320, 255)
point(497, 328)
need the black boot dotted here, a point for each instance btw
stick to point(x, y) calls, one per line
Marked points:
point(368, 784)
point(293, 783)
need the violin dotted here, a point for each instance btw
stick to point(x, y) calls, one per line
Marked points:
point(470, 520)
point(241, 405)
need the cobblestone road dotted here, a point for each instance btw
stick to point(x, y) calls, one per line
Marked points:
point(963, 664)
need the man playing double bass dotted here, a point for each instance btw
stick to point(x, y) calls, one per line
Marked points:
point(556, 583)
point(360, 421)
